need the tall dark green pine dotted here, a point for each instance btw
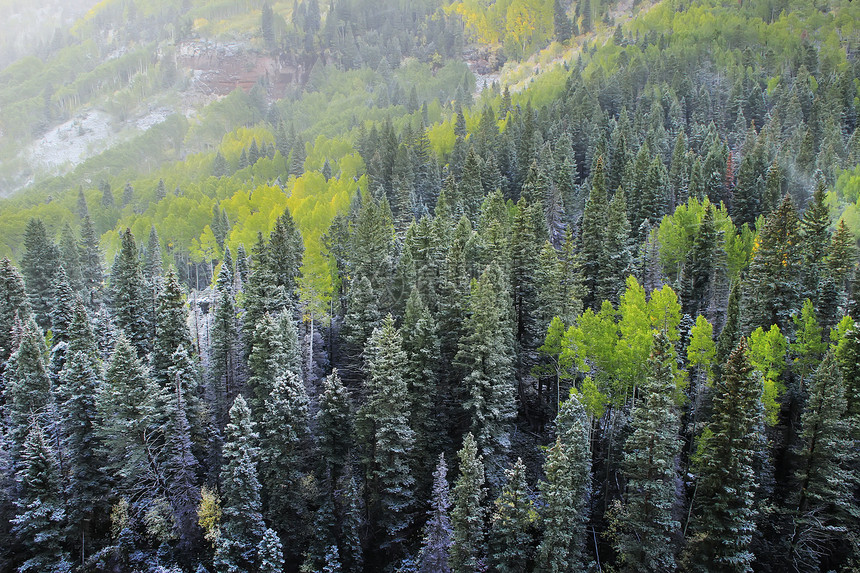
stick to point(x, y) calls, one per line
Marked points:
point(242, 525)
point(511, 540)
point(485, 355)
point(362, 316)
point(14, 307)
point(772, 292)
point(131, 418)
point(39, 266)
point(284, 456)
point(618, 249)
point(27, 389)
point(71, 258)
point(566, 491)
point(92, 272)
point(747, 198)
point(815, 242)
point(825, 511)
point(524, 257)
point(225, 348)
point(284, 254)
point(40, 521)
point(421, 344)
point(383, 426)
point(334, 428)
point(592, 244)
point(436, 545)
point(274, 351)
point(848, 355)
point(76, 403)
point(468, 550)
point(698, 266)
point(723, 518)
point(645, 539)
point(561, 23)
point(171, 328)
point(129, 297)
point(62, 307)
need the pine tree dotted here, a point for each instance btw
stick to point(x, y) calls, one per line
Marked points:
point(270, 552)
point(283, 455)
point(561, 23)
point(92, 272)
point(40, 519)
point(225, 353)
point(848, 356)
point(815, 240)
point(773, 287)
point(27, 389)
point(723, 516)
point(387, 438)
point(485, 357)
point(618, 251)
point(421, 344)
point(592, 246)
point(131, 421)
point(512, 523)
point(14, 307)
point(242, 526)
point(467, 516)
point(71, 258)
point(825, 512)
point(644, 541)
point(39, 266)
point(566, 491)
point(62, 307)
point(129, 297)
point(699, 265)
point(171, 328)
point(436, 545)
point(334, 427)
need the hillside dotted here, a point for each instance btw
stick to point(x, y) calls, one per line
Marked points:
point(595, 263)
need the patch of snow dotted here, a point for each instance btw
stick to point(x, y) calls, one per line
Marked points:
point(70, 143)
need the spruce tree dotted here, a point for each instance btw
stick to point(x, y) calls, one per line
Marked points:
point(283, 456)
point(71, 258)
point(566, 491)
point(387, 438)
point(40, 520)
point(485, 356)
point(773, 286)
point(129, 298)
point(62, 308)
point(39, 266)
point(334, 428)
point(225, 352)
point(825, 512)
point(723, 513)
point(171, 328)
point(815, 240)
point(644, 542)
point(512, 524)
point(14, 307)
point(436, 546)
point(131, 418)
point(467, 516)
point(92, 272)
point(618, 251)
point(242, 526)
point(270, 552)
point(27, 389)
point(592, 246)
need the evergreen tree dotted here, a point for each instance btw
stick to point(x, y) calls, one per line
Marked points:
point(242, 527)
point(592, 246)
point(561, 23)
point(39, 266)
point(285, 436)
point(436, 545)
point(388, 440)
point(334, 427)
point(71, 258)
point(485, 356)
point(699, 265)
point(467, 516)
point(644, 541)
point(848, 356)
point(723, 516)
point(566, 491)
point(40, 519)
point(27, 389)
point(618, 251)
point(512, 527)
point(271, 551)
point(62, 307)
point(225, 352)
point(171, 328)
point(92, 272)
point(825, 513)
point(773, 287)
point(14, 307)
point(131, 420)
point(129, 296)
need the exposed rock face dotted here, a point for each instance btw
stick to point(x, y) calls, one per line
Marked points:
point(220, 68)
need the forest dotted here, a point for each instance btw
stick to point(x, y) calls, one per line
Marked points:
point(395, 321)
